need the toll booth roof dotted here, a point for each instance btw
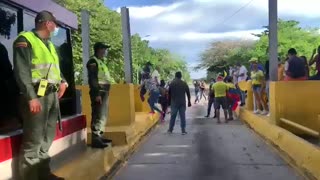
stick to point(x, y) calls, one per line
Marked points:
point(63, 15)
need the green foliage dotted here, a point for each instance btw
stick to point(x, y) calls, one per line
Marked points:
point(290, 35)
point(222, 54)
point(105, 26)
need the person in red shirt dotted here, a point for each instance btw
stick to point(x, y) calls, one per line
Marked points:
point(317, 61)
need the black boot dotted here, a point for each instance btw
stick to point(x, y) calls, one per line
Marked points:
point(54, 177)
point(105, 140)
point(183, 132)
point(97, 142)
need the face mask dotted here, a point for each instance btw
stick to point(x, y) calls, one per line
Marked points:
point(55, 32)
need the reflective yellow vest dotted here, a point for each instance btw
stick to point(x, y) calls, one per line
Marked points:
point(45, 61)
point(103, 72)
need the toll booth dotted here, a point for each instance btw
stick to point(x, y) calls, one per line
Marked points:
point(22, 14)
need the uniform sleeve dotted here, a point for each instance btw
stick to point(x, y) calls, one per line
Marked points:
point(22, 56)
point(93, 77)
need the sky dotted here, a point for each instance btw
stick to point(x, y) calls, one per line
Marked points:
point(187, 27)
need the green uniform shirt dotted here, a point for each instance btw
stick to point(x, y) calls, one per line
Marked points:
point(93, 80)
point(22, 58)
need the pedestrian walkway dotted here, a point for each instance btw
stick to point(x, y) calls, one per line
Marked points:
point(208, 152)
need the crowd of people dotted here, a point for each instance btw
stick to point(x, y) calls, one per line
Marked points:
point(224, 91)
point(171, 94)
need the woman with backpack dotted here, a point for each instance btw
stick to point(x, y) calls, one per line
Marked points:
point(150, 85)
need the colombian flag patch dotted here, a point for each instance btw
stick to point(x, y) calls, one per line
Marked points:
point(21, 44)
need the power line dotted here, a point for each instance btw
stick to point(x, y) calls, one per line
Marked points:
point(236, 12)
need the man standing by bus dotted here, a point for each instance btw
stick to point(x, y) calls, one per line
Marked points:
point(99, 82)
point(37, 71)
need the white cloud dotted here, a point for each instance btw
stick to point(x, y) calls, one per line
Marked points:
point(195, 36)
point(187, 26)
point(178, 18)
point(145, 12)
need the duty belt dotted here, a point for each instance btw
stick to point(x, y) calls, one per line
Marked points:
point(104, 87)
point(51, 88)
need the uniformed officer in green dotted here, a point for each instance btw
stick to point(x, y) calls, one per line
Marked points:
point(99, 81)
point(36, 62)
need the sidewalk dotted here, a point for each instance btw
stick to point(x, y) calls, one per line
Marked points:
point(209, 151)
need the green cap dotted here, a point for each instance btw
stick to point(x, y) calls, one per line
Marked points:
point(100, 45)
point(44, 16)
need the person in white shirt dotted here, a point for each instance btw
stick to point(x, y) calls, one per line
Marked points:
point(234, 74)
point(154, 92)
point(242, 76)
point(156, 75)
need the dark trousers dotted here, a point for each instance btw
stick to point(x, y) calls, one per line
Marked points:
point(99, 114)
point(175, 109)
point(153, 99)
point(210, 104)
point(38, 133)
point(197, 94)
point(164, 105)
point(229, 105)
point(202, 94)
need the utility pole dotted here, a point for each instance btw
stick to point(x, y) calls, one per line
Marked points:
point(273, 40)
point(85, 34)
point(126, 44)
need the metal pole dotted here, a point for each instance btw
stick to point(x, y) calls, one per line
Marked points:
point(126, 44)
point(273, 40)
point(85, 34)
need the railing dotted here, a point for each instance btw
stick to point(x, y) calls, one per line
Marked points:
point(303, 128)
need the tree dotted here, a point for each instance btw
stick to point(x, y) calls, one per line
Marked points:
point(290, 35)
point(220, 55)
point(105, 26)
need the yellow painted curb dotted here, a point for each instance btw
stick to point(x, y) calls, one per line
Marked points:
point(303, 154)
point(95, 163)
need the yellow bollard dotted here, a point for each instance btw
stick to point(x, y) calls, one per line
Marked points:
point(246, 86)
point(249, 99)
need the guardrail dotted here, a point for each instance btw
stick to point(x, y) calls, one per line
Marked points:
point(303, 128)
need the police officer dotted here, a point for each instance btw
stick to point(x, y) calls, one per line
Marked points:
point(99, 82)
point(36, 67)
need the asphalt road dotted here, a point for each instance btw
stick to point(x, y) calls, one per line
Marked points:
point(208, 152)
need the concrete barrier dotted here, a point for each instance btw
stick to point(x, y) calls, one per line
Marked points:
point(121, 105)
point(124, 104)
point(297, 102)
point(246, 86)
point(138, 104)
point(125, 127)
point(301, 153)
